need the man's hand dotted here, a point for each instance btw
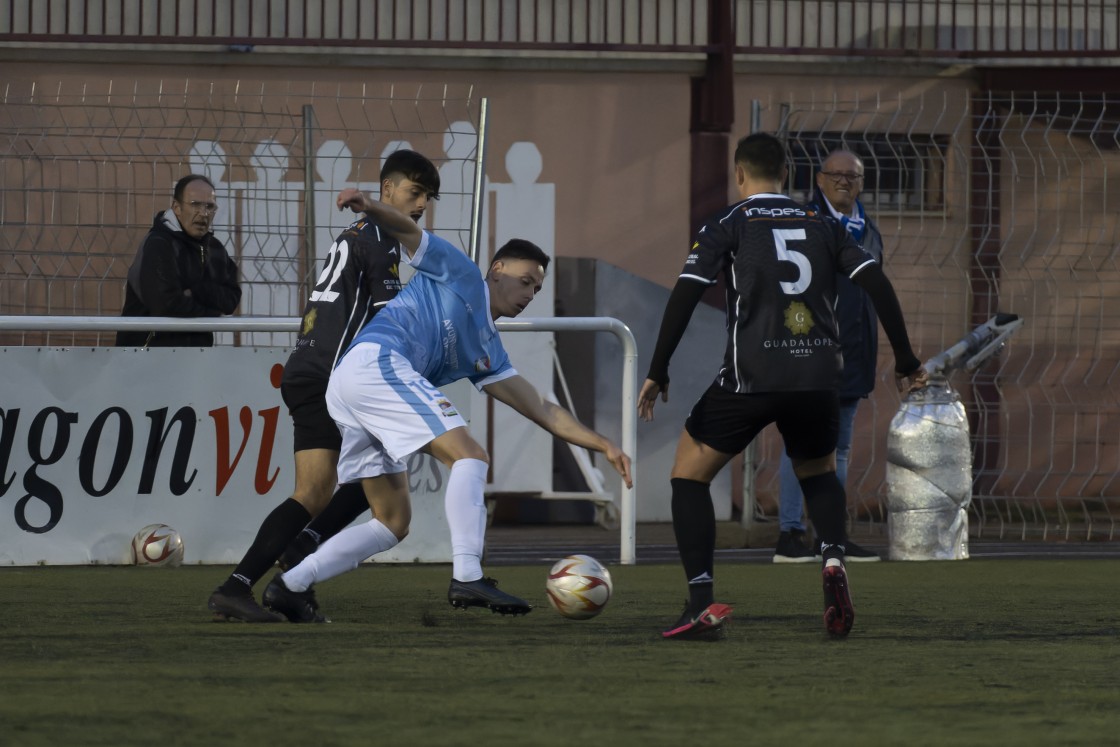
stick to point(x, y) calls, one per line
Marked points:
point(913, 381)
point(647, 398)
point(352, 198)
point(620, 462)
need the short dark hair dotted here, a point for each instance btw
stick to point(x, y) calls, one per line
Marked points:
point(414, 167)
point(762, 155)
point(521, 249)
point(182, 184)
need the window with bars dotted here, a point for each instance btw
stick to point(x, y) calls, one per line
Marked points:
point(903, 172)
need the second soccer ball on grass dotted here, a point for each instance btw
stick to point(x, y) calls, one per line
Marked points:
point(157, 545)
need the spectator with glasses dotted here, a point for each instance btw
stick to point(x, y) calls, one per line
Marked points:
point(181, 270)
point(839, 183)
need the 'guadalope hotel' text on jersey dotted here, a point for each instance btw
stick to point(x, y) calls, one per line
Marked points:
point(361, 274)
point(780, 261)
point(441, 321)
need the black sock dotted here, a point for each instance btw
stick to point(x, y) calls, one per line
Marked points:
point(277, 530)
point(826, 503)
point(694, 524)
point(700, 595)
point(348, 503)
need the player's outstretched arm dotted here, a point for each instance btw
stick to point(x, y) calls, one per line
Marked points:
point(402, 227)
point(522, 396)
point(682, 302)
point(909, 373)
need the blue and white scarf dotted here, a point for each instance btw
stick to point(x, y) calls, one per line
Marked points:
point(855, 223)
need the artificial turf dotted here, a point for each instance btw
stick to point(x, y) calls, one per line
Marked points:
point(972, 652)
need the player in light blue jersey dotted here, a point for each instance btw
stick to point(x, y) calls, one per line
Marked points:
point(441, 322)
point(384, 396)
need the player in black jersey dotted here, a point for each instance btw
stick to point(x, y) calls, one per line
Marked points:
point(781, 365)
point(360, 275)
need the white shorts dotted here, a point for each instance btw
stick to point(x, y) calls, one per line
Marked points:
point(385, 410)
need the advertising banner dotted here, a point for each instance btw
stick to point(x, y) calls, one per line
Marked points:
point(96, 443)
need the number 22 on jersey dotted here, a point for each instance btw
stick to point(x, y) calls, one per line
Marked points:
point(332, 271)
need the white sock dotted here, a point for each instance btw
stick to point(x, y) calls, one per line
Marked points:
point(465, 507)
point(341, 553)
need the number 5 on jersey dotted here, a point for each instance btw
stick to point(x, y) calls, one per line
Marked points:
point(782, 238)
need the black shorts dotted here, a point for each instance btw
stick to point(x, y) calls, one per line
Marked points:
point(808, 421)
point(307, 404)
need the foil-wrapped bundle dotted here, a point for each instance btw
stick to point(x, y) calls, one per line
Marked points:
point(929, 476)
point(929, 453)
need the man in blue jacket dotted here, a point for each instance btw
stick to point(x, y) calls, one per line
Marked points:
point(839, 183)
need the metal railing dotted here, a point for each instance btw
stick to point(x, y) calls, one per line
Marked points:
point(902, 28)
point(629, 426)
point(929, 28)
point(677, 25)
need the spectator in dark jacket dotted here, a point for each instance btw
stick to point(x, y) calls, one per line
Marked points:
point(839, 183)
point(181, 270)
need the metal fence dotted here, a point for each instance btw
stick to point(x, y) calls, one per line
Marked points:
point(929, 28)
point(1005, 201)
point(1015, 210)
point(911, 28)
point(86, 166)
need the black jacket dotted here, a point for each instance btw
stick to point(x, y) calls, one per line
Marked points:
point(174, 274)
point(856, 319)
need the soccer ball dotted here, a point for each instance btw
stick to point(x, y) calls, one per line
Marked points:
point(157, 545)
point(579, 587)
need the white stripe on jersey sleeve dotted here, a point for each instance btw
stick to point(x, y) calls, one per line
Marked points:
point(865, 264)
point(511, 371)
point(418, 255)
point(703, 280)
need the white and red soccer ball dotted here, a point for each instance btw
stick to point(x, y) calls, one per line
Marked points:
point(157, 545)
point(579, 587)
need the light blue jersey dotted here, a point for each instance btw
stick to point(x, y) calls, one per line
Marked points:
point(441, 320)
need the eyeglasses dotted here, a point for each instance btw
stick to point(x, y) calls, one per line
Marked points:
point(208, 208)
point(838, 176)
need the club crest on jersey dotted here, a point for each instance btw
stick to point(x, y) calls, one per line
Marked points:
point(482, 364)
point(799, 320)
point(448, 409)
point(309, 322)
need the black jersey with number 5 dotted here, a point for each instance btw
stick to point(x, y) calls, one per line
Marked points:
point(360, 275)
point(779, 259)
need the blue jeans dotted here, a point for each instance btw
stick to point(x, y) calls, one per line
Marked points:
point(789, 490)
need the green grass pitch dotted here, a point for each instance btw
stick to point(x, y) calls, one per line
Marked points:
point(1022, 652)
